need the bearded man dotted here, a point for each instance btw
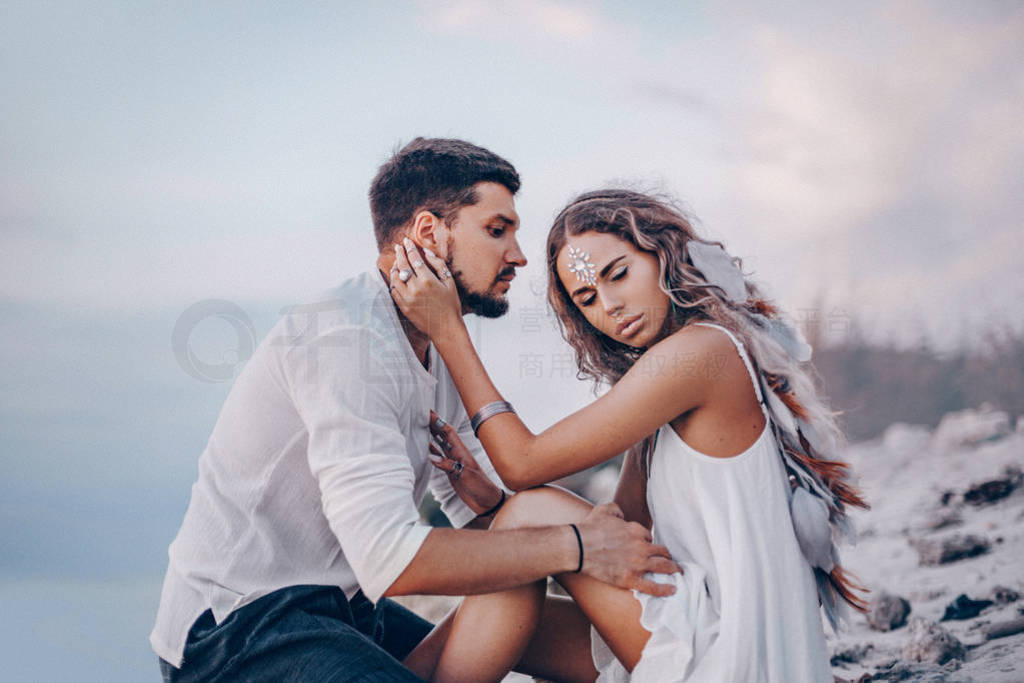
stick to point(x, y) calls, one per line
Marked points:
point(304, 515)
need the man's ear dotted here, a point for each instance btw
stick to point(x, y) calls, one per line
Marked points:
point(430, 232)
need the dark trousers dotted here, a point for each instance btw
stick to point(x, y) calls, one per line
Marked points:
point(302, 633)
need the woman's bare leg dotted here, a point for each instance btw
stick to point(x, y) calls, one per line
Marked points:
point(560, 647)
point(481, 639)
point(423, 659)
point(488, 634)
point(613, 611)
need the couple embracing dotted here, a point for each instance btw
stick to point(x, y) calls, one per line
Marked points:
point(716, 561)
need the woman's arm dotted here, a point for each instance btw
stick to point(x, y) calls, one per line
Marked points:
point(631, 493)
point(653, 392)
point(660, 386)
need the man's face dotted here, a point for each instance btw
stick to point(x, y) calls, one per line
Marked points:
point(483, 252)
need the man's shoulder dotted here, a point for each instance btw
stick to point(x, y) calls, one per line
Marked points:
point(359, 302)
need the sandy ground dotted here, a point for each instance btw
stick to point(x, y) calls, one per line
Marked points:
point(915, 479)
point(904, 475)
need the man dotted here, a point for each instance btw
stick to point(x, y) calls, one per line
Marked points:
point(304, 515)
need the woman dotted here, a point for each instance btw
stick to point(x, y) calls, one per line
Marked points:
point(731, 454)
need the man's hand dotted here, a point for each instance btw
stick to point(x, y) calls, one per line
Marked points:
point(620, 553)
point(452, 457)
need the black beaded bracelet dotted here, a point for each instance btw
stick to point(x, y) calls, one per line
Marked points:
point(497, 506)
point(579, 542)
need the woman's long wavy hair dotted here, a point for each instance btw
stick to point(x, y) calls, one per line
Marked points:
point(657, 226)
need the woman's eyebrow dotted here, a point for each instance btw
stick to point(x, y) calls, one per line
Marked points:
point(604, 271)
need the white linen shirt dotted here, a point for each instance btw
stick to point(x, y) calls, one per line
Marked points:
point(316, 466)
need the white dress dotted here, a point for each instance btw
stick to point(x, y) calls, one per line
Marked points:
point(746, 606)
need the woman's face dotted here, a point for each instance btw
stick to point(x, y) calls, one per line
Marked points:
point(623, 301)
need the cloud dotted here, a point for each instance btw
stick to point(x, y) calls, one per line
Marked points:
point(835, 136)
point(802, 137)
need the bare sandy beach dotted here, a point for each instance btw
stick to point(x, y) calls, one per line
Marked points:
point(947, 520)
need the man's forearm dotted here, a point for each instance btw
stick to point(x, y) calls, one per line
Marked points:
point(482, 523)
point(468, 561)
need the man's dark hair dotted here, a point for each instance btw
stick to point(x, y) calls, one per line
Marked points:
point(433, 174)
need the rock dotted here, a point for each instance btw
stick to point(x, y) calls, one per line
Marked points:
point(990, 491)
point(905, 671)
point(971, 428)
point(1001, 595)
point(852, 654)
point(964, 608)
point(936, 551)
point(887, 612)
point(931, 643)
point(943, 519)
point(1002, 629)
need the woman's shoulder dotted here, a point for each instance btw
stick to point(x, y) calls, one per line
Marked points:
point(695, 339)
point(688, 359)
point(704, 354)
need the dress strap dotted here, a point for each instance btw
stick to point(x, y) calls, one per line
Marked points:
point(746, 362)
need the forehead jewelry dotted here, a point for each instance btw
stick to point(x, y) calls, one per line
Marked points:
point(580, 263)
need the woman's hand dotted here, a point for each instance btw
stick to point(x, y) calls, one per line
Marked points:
point(451, 456)
point(427, 296)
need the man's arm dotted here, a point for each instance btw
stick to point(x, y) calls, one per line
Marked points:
point(466, 561)
point(480, 523)
point(348, 395)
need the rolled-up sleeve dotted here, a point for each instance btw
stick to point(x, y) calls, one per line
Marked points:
point(351, 405)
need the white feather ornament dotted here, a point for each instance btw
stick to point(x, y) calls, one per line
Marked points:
point(718, 269)
point(788, 336)
point(824, 446)
point(813, 532)
point(779, 412)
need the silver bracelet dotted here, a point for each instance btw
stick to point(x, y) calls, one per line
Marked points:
point(489, 411)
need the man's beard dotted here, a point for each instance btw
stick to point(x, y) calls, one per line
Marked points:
point(483, 304)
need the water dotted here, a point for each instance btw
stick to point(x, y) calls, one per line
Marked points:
point(78, 629)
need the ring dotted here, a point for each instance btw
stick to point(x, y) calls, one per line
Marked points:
point(439, 423)
point(404, 274)
point(417, 264)
point(444, 275)
point(456, 471)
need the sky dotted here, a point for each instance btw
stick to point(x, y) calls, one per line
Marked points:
point(866, 160)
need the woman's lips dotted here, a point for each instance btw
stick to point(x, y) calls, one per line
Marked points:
point(629, 326)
